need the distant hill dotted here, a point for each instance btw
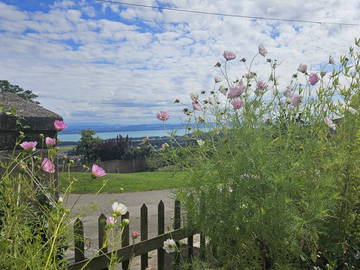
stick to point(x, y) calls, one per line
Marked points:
point(75, 128)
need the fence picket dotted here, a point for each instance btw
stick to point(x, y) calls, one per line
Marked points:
point(161, 230)
point(125, 240)
point(102, 235)
point(177, 225)
point(79, 240)
point(144, 234)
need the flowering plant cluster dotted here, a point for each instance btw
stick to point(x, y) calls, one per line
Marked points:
point(33, 217)
point(279, 163)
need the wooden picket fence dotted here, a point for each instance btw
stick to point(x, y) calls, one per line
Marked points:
point(127, 251)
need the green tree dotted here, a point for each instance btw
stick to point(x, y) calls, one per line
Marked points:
point(87, 145)
point(6, 86)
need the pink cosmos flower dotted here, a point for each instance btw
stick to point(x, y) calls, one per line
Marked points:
point(295, 100)
point(28, 146)
point(163, 116)
point(110, 221)
point(59, 125)
point(135, 235)
point(287, 92)
point(236, 91)
point(217, 79)
point(196, 106)
point(302, 68)
point(313, 78)
point(97, 171)
point(50, 141)
point(330, 123)
point(237, 103)
point(47, 166)
point(261, 85)
point(229, 55)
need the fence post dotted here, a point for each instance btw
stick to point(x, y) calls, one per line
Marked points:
point(161, 230)
point(177, 224)
point(125, 240)
point(102, 236)
point(79, 240)
point(144, 234)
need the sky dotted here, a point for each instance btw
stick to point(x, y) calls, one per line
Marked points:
point(91, 61)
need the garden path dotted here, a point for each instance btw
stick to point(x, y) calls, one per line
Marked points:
point(90, 206)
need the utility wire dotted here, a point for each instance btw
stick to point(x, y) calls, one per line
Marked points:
point(226, 14)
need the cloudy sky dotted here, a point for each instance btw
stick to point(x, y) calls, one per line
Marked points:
point(92, 61)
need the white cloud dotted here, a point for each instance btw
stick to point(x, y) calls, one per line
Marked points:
point(113, 70)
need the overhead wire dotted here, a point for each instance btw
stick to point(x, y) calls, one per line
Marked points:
point(227, 14)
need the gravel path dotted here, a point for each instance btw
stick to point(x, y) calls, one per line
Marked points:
point(89, 207)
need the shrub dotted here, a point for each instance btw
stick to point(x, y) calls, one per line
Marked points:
point(274, 184)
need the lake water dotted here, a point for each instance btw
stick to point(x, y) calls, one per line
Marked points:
point(131, 134)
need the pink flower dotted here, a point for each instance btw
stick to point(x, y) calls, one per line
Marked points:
point(47, 166)
point(50, 141)
point(135, 235)
point(302, 68)
point(97, 171)
point(196, 106)
point(110, 221)
point(229, 55)
point(313, 78)
point(295, 100)
point(217, 79)
point(236, 91)
point(287, 92)
point(28, 146)
point(59, 125)
point(261, 85)
point(237, 103)
point(330, 123)
point(163, 116)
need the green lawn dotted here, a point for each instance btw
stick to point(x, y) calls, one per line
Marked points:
point(129, 182)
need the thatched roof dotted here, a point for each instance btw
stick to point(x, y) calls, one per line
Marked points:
point(34, 119)
point(24, 107)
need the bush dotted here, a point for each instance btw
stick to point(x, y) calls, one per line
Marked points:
point(274, 184)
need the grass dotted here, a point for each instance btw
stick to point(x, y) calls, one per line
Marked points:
point(123, 182)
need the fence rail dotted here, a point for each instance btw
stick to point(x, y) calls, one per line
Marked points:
point(101, 261)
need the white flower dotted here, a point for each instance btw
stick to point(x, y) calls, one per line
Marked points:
point(169, 246)
point(164, 146)
point(60, 200)
point(330, 123)
point(262, 50)
point(200, 142)
point(223, 90)
point(119, 209)
point(352, 111)
point(217, 79)
point(194, 97)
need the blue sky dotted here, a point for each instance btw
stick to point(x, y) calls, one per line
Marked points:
point(97, 62)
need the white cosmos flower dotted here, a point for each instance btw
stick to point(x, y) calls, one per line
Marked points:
point(352, 111)
point(262, 50)
point(330, 123)
point(119, 209)
point(194, 96)
point(169, 246)
point(200, 142)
